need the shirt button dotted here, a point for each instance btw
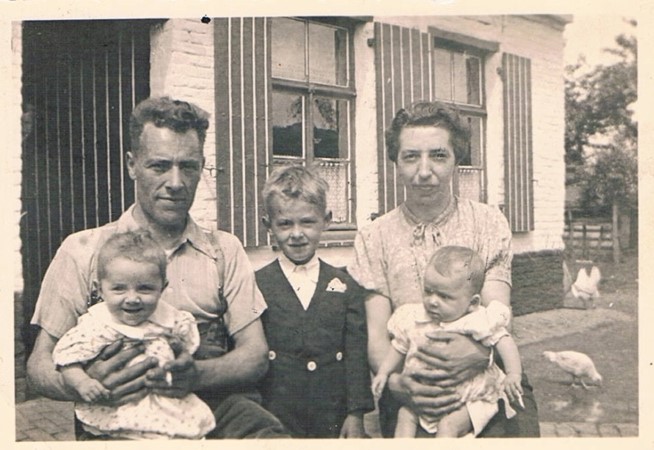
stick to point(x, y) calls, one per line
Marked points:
point(272, 355)
point(339, 356)
point(311, 366)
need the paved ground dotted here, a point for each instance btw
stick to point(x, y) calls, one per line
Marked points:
point(46, 420)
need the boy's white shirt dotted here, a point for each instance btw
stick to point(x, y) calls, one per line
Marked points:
point(302, 278)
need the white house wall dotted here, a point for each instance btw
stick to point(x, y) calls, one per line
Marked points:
point(182, 67)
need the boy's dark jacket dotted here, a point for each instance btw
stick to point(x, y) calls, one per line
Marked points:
point(332, 335)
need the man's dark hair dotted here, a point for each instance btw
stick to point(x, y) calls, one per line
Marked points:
point(434, 114)
point(177, 115)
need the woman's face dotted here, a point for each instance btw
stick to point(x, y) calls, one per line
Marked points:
point(425, 163)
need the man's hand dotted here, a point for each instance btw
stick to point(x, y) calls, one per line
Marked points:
point(183, 376)
point(126, 383)
point(450, 358)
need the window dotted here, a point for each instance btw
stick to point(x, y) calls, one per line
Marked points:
point(458, 80)
point(313, 105)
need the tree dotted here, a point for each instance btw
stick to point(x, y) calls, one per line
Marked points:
point(601, 131)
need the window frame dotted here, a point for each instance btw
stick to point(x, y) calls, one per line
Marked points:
point(454, 42)
point(309, 90)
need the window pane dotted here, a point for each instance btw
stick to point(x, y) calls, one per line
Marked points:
point(459, 74)
point(442, 71)
point(330, 128)
point(473, 72)
point(474, 124)
point(335, 174)
point(288, 49)
point(327, 55)
point(288, 133)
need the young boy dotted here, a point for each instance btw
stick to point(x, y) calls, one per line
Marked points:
point(451, 302)
point(132, 275)
point(318, 380)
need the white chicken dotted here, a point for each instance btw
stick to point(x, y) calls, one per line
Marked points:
point(579, 365)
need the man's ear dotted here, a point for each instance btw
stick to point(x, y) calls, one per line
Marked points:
point(131, 165)
point(475, 301)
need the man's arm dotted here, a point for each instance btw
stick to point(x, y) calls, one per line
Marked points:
point(125, 383)
point(42, 374)
point(245, 364)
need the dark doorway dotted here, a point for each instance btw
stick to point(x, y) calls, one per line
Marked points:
point(81, 80)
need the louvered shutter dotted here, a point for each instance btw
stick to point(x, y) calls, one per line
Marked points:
point(403, 74)
point(518, 145)
point(242, 86)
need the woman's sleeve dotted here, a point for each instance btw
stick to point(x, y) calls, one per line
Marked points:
point(367, 267)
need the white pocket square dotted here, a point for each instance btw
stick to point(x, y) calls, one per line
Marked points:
point(336, 285)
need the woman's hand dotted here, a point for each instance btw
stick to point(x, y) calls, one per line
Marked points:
point(450, 358)
point(126, 383)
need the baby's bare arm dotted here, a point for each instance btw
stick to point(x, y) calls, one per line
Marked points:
point(88, 388)
point(392, 362)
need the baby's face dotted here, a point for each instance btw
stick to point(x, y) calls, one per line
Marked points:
point(131, 290)
point(446, 298)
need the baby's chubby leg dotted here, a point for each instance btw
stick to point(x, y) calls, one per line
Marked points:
point(455, 424)
point(407, 423)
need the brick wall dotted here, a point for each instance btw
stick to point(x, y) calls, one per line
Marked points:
point(537, 281)
point(182, 67)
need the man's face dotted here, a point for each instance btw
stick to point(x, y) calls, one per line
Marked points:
point(131, 290)
point(297, 226)
point(167, 169)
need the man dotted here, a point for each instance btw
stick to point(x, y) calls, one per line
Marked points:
point(208, 273)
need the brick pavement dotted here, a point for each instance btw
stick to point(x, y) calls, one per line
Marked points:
point(42, 419)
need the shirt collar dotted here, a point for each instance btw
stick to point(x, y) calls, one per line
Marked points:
point(312, 266)
point(192, 234)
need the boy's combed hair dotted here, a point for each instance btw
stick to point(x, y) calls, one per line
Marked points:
point(453, 260)
point(136, 246)
point(296, 182)
point(177, 115)
point(434, 114)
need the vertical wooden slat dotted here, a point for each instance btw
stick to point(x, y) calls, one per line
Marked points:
point(248, 131)
point(237, 126)
point(260, 113)
point(518, 142)
point(101, 151)
point(427, 81)
point(380, 86)
point(223, 150)
point(416, 66)
point(388, 180)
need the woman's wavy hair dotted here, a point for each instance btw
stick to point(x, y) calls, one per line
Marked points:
point(434, 114)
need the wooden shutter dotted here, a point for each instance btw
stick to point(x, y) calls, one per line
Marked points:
point(403, 75)
point(518, 146)
point(242, 87)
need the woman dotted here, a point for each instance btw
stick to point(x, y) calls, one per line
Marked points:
point(426, 141)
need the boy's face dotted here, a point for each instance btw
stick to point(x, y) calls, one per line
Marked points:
point(447, 298)
point(297, 226)
point(131, 290)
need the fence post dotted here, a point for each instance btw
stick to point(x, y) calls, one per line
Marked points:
point(600, 241)
point(584, 241)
